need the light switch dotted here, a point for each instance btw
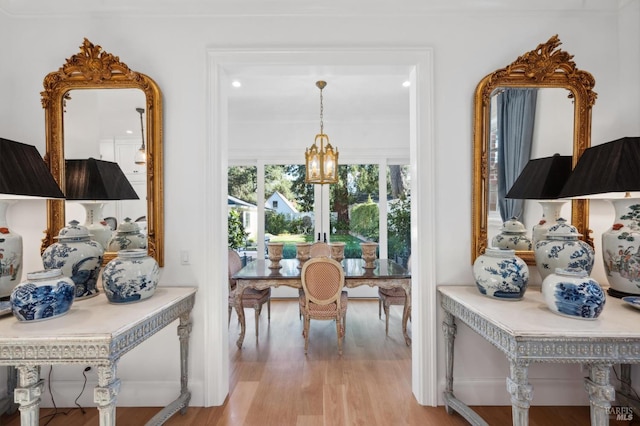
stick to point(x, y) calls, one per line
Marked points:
point(184, 257)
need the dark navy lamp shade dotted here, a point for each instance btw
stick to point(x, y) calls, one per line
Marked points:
point(94, 180)
point(542, 178)
point(609, 167)
point(23, 172)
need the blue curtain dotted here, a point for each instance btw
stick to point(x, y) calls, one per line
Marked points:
point(516, 117)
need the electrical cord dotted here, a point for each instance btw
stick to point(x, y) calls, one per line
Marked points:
point(84, 373)
point(55, 407)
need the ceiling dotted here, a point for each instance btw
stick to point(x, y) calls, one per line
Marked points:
point(289, 7)
point(289, 93)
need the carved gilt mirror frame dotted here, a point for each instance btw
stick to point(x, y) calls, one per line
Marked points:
point(93, 68)
point(544, 67)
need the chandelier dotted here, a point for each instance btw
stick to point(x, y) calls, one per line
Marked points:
point(321, 160)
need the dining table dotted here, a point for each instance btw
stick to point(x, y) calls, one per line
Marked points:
point(258, 274)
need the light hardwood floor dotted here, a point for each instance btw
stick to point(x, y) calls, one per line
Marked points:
point(274, 383)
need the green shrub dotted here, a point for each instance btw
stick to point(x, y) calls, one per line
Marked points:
point(364, 220)
point(237, 234)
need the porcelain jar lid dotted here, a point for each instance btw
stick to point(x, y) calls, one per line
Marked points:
point(499, 252)
point(129, 253)
point(73, 231)
point(44, 274)
point(128, 226)
point(513, 226)
point(563, 231)
point(572, 272)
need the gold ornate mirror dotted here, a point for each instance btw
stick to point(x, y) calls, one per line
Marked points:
point(93, 69)
point(546, 67)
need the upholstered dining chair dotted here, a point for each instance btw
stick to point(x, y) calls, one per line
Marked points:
point(391, 296)
point(323, 297)
point(251, 298)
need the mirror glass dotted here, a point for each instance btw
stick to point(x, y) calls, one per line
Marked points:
point(105, 125)
point(562, 125)
point(91, 111)
point(552, 134)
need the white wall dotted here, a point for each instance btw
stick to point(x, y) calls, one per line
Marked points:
point(466, 46)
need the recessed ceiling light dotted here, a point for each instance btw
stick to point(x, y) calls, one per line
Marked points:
point(129, 132)
point(406, 83)
point(236, 83)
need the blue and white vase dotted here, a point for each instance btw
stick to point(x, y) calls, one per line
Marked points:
point(573, 293)
point(79, 258)
point(500, 274)
point(127, 236)
point(562, 248)
point(130, 277)
point(43, 295)
point(513, 236)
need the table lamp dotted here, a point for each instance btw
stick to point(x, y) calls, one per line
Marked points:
point(612, 171)
point(94, 182)
point(542, 179)
point(23, 175)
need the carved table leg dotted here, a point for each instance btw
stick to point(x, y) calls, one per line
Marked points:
point(449, 328)
point(184, 331)
point(521, 392)
point(237, 303)
point(601, 393)
point(406, 313)
point(106, 393)
point(28, 393)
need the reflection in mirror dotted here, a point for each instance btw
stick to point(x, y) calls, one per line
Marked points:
point(551, 133)
point(562, 125)
point(86, 117)
point(104, 124)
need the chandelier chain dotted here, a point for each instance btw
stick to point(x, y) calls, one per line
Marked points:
point(321, 114)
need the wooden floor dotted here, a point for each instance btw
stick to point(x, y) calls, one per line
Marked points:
point(274, 383)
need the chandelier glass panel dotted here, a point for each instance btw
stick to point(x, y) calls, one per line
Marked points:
point(321, 160)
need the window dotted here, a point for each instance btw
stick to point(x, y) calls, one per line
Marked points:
point(350, 211)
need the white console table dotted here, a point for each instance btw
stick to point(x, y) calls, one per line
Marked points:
point(96, 333)
point(526, 331)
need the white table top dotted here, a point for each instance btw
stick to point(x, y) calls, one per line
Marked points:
point(530, 316)
point(93, 329)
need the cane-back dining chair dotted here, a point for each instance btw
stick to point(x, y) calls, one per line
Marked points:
point(323, 297)
point(319, 249)
point(391, 296)
point(251, 298)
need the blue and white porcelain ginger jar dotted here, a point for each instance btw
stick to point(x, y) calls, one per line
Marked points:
point(79, 258)
point(562, 248)
point(573, 293)
point(500, 274)
point(130, 277)
point(513, 236)
point(127, 236)
point(43, 295)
